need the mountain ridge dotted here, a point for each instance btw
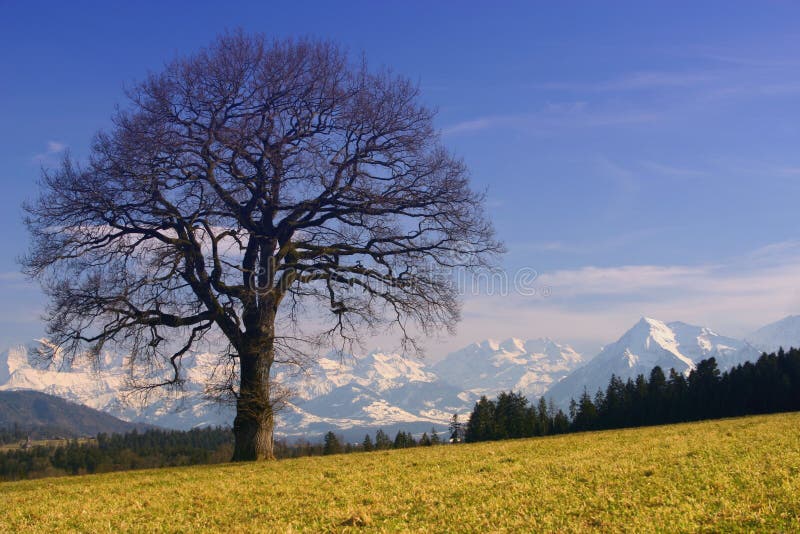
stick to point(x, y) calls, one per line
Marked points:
point(351, 393)
point(650, 343)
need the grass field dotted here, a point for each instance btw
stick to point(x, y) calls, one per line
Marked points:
point(732, 475)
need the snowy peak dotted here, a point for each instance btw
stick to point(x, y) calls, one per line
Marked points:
point(486, 344)
point(488, 367)
point(382, 388)
point(378, 371)
point(651, 340)
point(393, 367)
point(512, 345)
point(650, 343)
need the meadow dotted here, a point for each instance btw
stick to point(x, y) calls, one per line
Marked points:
point(739, 474)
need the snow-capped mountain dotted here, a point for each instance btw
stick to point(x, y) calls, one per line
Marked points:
point(104, 388)
point(488, 367)
point(648, 344)
point(378, 389)
point(784, 333)
point(385, 390)
point(340, 391)
point(337, 391)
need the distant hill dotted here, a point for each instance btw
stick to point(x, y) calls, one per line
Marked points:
point(784, 333)
point(46, 416)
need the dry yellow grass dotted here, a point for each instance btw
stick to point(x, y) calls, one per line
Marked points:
point(729, 475)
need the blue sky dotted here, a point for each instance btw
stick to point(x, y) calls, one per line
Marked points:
point(642, 157)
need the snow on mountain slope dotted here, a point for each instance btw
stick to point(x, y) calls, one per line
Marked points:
point(488, 367)
point(337, 391)
point(648, 344)
point(377, 370)
point(381, 389)
point(784, 333)
point(105, 389)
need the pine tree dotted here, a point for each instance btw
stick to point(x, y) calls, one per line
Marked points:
point(331, 445)
point(366, 445)
point(435, 439)
point(542, 418)
point(482, 422)
point(586, 418)
point(456, 430)
point(382, 440)
point(425, 441)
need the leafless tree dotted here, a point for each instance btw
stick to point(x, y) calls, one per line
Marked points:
point(252, 190)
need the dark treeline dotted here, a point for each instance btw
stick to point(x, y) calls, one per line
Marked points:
point(167, 448)
point(118, 452)
point(511, 416)
point(770, 385)
point(335, 444)
point(13, 434)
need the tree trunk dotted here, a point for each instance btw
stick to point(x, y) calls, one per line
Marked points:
point(254, 422)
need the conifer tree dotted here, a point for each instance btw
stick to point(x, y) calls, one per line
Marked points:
point(366, 445)
point(382, 440)
point(456, 430)
point(331, 444)
point(425, 441)
point(482, 422)
point(543, 420)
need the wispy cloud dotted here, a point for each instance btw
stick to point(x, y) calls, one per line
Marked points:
point(484, 123)
point(674, 171)
point(555, 117)
point(634, 81)
point(622, 280)
point(733, 58)
point(51, 154)
point(593, 305)
point(587, 248)
point(15, 280)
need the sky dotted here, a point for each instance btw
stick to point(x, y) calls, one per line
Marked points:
point(640, 158)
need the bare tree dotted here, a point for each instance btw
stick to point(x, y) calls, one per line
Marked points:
point(270, 192)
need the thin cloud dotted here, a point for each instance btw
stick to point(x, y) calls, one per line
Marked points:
point(635, 81)
point(483, 123)
point(553, 118)
point(672, 170)
point(750, 61)
point(592, 306)
point(53, 151)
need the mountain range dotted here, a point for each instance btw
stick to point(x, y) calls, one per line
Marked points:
point(358, 393)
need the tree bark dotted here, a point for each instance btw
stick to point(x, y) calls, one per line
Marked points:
point(254, 422)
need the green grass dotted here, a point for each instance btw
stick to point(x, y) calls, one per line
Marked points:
point(729, 475)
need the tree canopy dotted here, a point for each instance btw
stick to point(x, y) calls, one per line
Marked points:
point(271, 194)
